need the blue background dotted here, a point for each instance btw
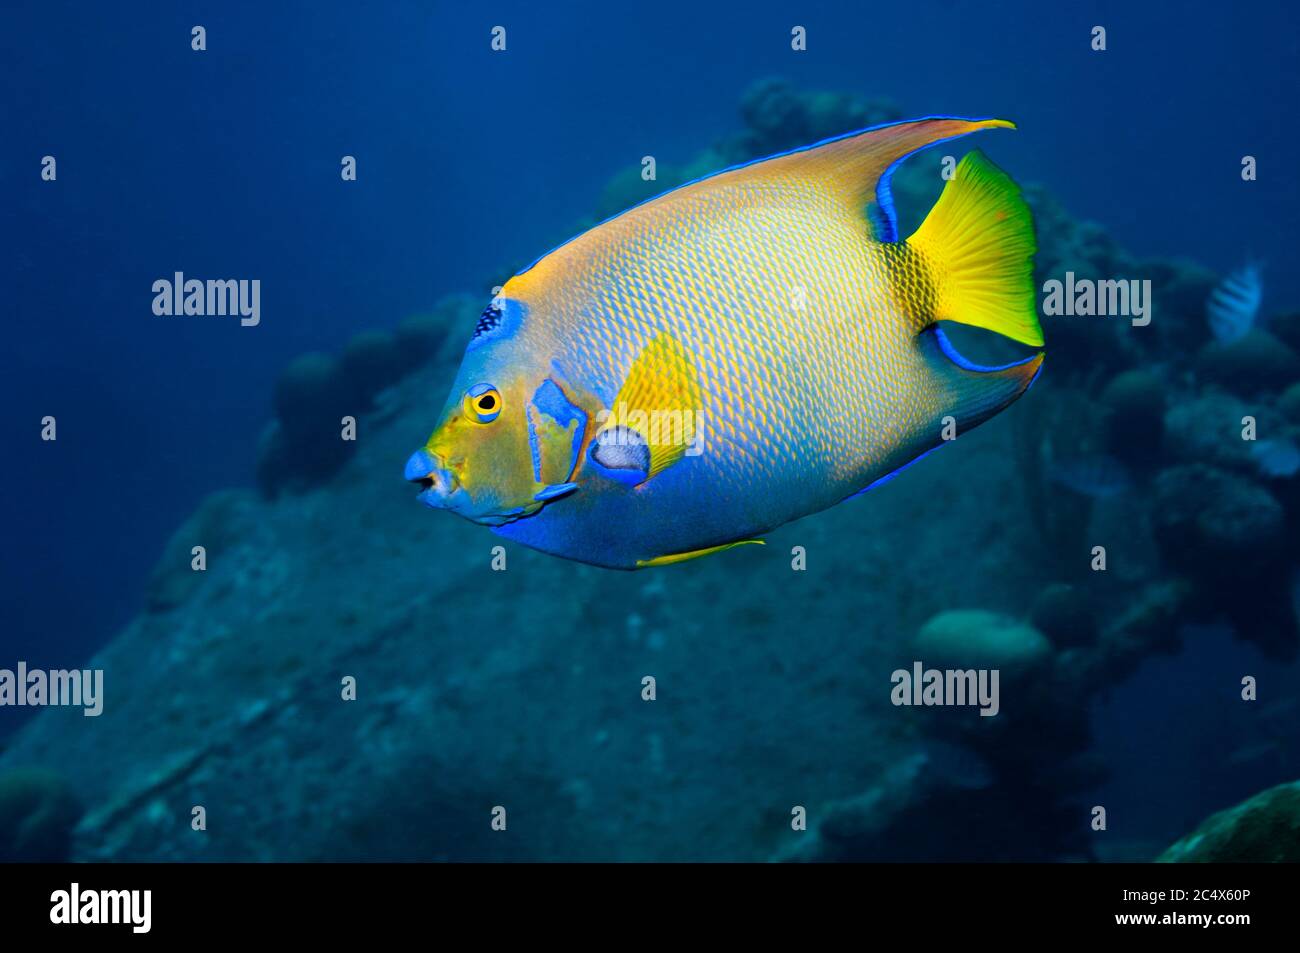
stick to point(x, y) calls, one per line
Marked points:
point(225, 163)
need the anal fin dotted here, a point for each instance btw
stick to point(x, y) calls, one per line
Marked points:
point(694, 554)
point(969, 392)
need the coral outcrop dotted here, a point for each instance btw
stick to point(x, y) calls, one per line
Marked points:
point(1265, 828)
point(37, 814)
point(523, 688)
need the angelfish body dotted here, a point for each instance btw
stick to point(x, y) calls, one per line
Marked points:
point(735, 354)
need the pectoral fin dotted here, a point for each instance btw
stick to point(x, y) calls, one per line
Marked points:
point(622, 454)
point(653, 420)
point(554, 492)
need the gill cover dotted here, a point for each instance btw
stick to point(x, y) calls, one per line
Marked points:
point(556, 429)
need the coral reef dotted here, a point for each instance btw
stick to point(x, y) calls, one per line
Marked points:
point(304, 446)
point(1206, 428)
point(778, 116)
point(223, 522)
point(1255, 364)
point(370, 362)
point(1287, 328)
point(37, 815)
point(1289, 403)
point(1135, 408)
point(1216, 525)
point(1034, 756)
point(973, 638)
point(522, 688)
point(1264, 828)
point(519, 688)
point(1228, 534)
point(919, 811)
point(1064, 613)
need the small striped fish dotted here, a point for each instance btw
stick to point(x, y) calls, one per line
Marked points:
point(1234, 303)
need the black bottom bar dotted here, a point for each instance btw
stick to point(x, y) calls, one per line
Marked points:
point(333, 902)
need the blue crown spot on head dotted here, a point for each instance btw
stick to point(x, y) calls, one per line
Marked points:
point(488, 321)
point(500, 319)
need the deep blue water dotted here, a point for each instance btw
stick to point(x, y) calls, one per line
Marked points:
point(226, 164)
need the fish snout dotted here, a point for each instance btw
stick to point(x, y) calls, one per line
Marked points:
point(427, 469)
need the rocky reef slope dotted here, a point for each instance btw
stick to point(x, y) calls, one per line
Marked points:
point(523, 688)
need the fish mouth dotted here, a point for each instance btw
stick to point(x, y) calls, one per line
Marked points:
point(440, 490)
point(441, 493)
point(436, 489)
point(437, 484)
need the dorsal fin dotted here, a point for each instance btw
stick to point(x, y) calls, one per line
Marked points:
point(856, 167)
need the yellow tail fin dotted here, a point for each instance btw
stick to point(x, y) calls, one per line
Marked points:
point(979, 239)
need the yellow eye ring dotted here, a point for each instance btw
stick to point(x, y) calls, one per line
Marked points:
point(483, 403)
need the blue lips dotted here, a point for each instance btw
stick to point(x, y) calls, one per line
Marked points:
point(423, 466)
point(419, 466)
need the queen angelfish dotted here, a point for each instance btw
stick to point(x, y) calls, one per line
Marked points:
point(737, 353)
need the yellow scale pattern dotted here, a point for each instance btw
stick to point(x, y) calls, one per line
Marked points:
point(810, 400)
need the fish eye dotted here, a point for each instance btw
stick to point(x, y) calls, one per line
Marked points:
point(483, 403)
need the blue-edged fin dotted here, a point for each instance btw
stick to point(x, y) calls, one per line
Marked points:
point(978, 242)
point(857, 168)
point(694, 554)
point(854, 168)
point(652, 422)
point(971, 393)
point(554, 492)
